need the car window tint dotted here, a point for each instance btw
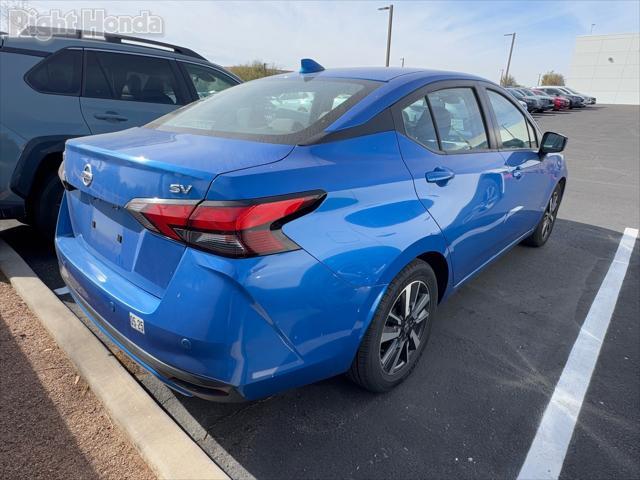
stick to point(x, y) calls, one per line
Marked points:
point(60, 73)
point(511, 122)
point(418, 123)
point(134, 78)
point(298, 101)
point(207, 81)
point(458, 119)
point(339, 100)
point(278, 109)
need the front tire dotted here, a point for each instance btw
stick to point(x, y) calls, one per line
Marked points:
point(399, 330)
point(543, 231)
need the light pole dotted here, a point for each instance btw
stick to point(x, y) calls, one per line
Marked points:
point(402, 58)
point(539, 77)
point(390, 8)
point(513, 40)
point(592, 25)
point(501, 74)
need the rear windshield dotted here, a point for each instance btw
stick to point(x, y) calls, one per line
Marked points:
point(276, 110)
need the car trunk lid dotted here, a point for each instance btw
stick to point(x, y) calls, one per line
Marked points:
point(105, 172)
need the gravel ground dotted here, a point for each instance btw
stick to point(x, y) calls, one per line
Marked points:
point(51, 424)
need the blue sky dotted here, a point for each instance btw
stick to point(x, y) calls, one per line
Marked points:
point(455, 35)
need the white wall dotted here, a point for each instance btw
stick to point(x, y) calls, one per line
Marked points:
point(607, 67)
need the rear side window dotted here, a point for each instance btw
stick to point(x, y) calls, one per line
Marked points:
point(133, 78)
point(60, 73)
point(418, 124)
point(207, 81)
point(514, 132)
point(458, 119)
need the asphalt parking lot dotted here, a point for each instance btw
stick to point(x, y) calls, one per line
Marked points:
point(473, 404)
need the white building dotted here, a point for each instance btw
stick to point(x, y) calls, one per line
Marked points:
point(607, 67)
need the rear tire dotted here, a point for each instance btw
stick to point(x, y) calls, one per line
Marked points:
point(381, 363)
point(544, 228)
point(47, 206)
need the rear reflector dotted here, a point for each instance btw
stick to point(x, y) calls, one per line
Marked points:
point(231, 229)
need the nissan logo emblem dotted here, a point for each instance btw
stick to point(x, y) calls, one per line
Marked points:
point(87, 175)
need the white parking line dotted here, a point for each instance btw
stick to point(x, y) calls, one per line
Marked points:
point(61, 291)
point(549, 447)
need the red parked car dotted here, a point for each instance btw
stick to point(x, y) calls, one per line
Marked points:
point(559, 103)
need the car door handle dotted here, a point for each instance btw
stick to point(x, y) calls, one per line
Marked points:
point(517, 172)
point(439, 174)
point(110, 117)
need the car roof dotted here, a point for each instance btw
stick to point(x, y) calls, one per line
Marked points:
point(396, 84)
point(384, 74)
point(56, 43)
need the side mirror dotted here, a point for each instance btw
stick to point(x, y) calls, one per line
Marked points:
point(552, 143)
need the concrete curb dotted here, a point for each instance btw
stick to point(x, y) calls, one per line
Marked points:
point(166, 448)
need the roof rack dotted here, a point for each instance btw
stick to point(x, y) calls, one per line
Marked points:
point(36, 30)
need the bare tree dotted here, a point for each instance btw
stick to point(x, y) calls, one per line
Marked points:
point(508, 81)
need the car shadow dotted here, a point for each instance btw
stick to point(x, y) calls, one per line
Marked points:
point(496, 351)
point(37, 252)
point(551, 113)
point(594, 108)
point(35, 441)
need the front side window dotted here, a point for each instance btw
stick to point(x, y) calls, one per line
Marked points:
point(418, 124)
point(458, 119)
point(514, 132)
point(207, 81)
point(59, 74)
point(133, 78)
point(277, 110)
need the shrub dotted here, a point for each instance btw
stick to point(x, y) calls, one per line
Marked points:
point(253, 70)
point(552, 78)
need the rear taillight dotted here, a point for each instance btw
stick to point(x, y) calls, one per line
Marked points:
point(231, 229)
point(162, 216)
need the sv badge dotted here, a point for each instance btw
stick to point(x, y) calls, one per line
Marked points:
point(177, 188)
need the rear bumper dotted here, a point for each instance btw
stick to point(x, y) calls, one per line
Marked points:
point(179, 380)
point(224, 329)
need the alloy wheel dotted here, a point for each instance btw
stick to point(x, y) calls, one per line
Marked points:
point(550, 214)
point(404, 327)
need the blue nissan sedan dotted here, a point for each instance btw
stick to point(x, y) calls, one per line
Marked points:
point(301, 226)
